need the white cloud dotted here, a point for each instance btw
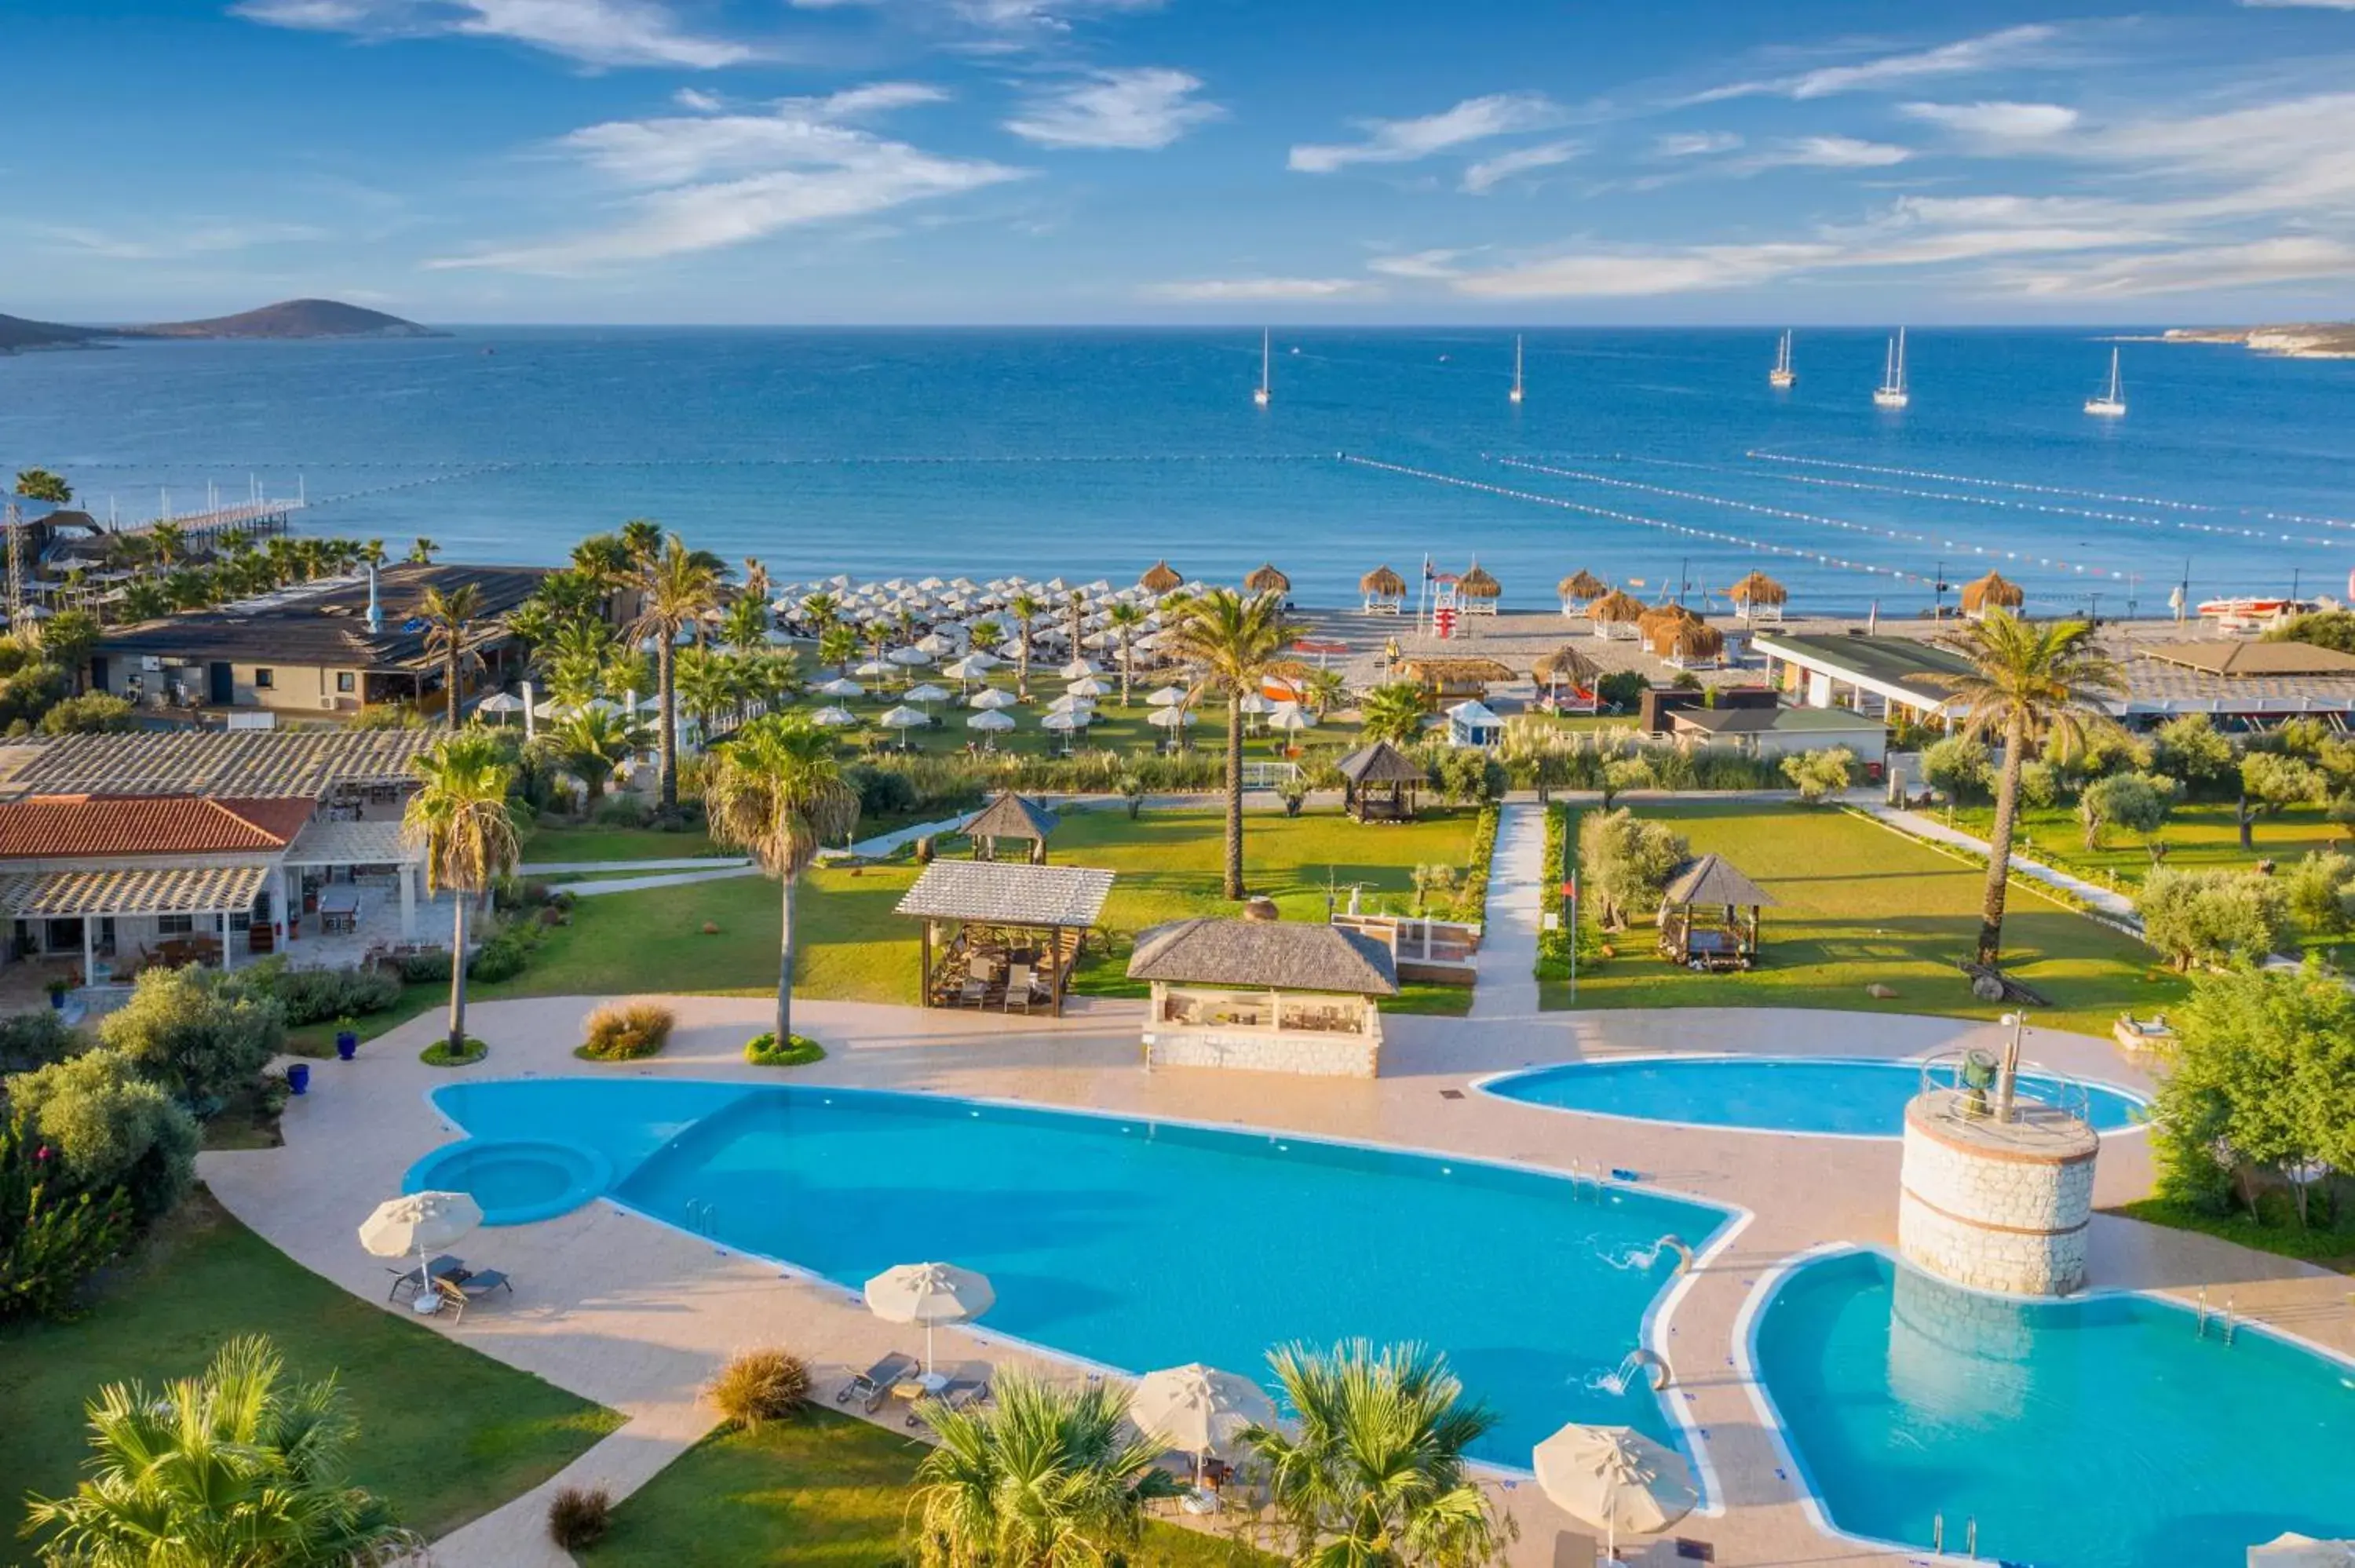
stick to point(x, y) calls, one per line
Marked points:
point(594, 32)
point(700, 182)
point(2285, 259)
point(182, 240)
point(1405, 140)
point(2307, 4)
point(1143, 107)
point(1485, 174)
point(1625, 274)
point(1826, 152)
point(2009, 47)
point(1694, 143)
point(697, 100)
point(1299, 290)
point(2000, 122)
point(1418, 264)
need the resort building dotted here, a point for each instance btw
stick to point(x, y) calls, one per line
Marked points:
point(1271, 995)
point(1779, 731)
point(2238, 682)
point(1473, 723)
point(1877, 676)
point(325, 647)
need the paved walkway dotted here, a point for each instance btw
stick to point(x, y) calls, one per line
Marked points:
point(1516, 901)
point(1914, 824)
point(722, 872)
point(575, 867)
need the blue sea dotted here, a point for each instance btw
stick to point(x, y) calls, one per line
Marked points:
point(1646, 456)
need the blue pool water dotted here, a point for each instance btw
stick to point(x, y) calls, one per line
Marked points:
point(1849, 1097)
point(2101, 1433)
point(1142, 1244)
point(515, 1181)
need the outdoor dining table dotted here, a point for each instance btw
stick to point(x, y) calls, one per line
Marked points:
point(339, 911)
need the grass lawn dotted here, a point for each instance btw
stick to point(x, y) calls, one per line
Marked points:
point(1859, 904)
point(567, 844)
point(2332, 1247)
point(821, 1491)
point(446, 1434)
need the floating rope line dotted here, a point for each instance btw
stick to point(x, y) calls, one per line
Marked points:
point(2053, 490)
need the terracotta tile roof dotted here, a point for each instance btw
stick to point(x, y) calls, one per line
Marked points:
point(48, 827)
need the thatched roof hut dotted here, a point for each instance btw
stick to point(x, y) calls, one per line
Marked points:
point(1618, 604)
point(1684, 642)
point(1160, 577)
point(1582, 584)
point(1565, 666)
point(1758, 588)
point(1661, 616)
point(1267, 580)
point(1478, 583)
point(1990, 592)
point(1382, 582)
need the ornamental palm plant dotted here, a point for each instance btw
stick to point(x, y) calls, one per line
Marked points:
point(1375, 1474)
point(459, 816)
point(1045, 1477)
point(449, 616)
point(1125, 622)
point(1392, 712)
point(236, 1469)
point(776, 792)
point(677, 585)
point(1232, 642)
point(1025, 607)
point(421, 550)
point(593, 743)
point(2033, 686)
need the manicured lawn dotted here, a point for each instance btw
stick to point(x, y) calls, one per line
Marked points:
point(446, 1434)
point(567, 844)
point(823, 1490)
point(1858, 904)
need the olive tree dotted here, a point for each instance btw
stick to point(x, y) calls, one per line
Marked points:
point(2138, 802)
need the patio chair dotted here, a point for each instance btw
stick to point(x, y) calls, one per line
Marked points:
point(974, 993)
point(962, 1393)
point(1017, 987)
point(464, 1287)
point(873, 1387)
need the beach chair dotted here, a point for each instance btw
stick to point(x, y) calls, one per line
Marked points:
point(873, 1387)
point(457, 1291)
point(1017, 987)
point(444, 1266)
point(962, 1393)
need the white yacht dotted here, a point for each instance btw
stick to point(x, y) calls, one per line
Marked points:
point(1260, 392)
point(1515, 395)
point(1891, 393)
point(1783, 377)
point(2112, 403)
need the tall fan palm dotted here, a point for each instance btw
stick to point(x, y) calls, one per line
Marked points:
point(1127, 621)
point(1392, 712)
point(776, 792)
point(1375, 1476)
point(641, 540)
point(1045, 1476)
point(421, 550)
point(459, 816)
point(449, 616)
point(236, 1469)
point(1025, 607)
point(677, 586)
point(593, 743)
point(1232, 641)
point(2032, 685)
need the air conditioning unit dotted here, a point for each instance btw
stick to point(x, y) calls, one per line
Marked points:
point(328, 703)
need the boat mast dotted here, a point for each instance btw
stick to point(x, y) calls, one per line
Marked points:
point(1516, 396)
point(1261, 393)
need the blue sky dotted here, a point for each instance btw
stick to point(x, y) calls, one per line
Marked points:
point(1011, 161)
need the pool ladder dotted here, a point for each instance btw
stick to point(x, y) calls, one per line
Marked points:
point(2225, 1319)
point(1970, 1536)
point(700, 1218)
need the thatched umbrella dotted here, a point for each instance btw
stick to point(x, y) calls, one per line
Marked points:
point(1686, 642)
point(1758, 591)
point(1267, 580)
point(1478, 583)
point(1564, 666)
point(1382, 583)
point(1990, 592)
point(1581, 586)
point(1662, 617)
point(1160, 577)
point(1614, 609)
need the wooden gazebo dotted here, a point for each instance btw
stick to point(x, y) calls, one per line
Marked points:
point(1011, 816)
point(1384, 591)
point(1709, 916)
point(1578, 589)
point(1993, 591)
point(1000, 933)
point(1761, 598)
point(1480, 589)
point(1267, 580)
point(1378, 783)
point(1160, 577)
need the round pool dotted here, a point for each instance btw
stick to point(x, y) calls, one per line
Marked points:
point(516, 1180)
point(1832, 1097)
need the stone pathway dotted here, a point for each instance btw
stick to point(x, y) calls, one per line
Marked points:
point(1914, 824)
point(1516, 901)
point(659, 879)
point(575, 867)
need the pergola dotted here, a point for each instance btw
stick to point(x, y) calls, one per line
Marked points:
point(1702, 921)
point(1002, 933)
point(220, 892)
point(1379, 782)
point(1010, 816)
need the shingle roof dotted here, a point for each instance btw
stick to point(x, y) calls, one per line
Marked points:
point(1011, 816)
point(183, 890)
point(1008, 893)
point(228, 763)
point(57, 827)
point(1274, 955)
point(2230, 657)
point(330, 627)
point(1381, 763)
point(1713, 879)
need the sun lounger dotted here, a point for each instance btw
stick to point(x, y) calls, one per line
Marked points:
point(1017, 988)
point(962, 1393)
point(442, 1268)
point(456, 1292)
point(872, 1387)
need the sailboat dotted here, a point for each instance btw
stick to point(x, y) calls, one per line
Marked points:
point(1260, 392)
point(2112, 402)
point(1891, 393)
point(1515, 395)
point(1783, 376)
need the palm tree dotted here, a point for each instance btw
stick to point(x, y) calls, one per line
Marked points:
point(236, 1469)
point(837, 645)
point(421, 550)
point(821, 610)
point(1127, 621)
point(170, 542)
point(1392, 712)
point(459, 816)
point(373, 553)
point(709, 684)
point(2032, 685)
point(1045, 1476)
point(593, 743)
point(776, 792)
point(1233, 643)
point(1376, 1475)
point(40, 484)
point(642, 541)
point(1325, 690)
point(746, 629)
point(677, 584)
point(449, 615)
point(1025, 607)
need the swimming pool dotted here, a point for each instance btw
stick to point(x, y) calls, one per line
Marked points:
point(2103, 1432)
point(514, 1180)
point(1140, 1245)
point(1841, 1097)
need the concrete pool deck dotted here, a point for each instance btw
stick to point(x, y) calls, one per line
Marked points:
point(635, 1315)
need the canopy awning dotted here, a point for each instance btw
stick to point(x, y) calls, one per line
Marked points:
point(180, 890)
point(352, 843)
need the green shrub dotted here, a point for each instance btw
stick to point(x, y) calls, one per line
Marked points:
point(758, 1386)
point(1472, 903)
point(1625, 863)
point(505, 956)
point(199, 1033)
point(2041, 785)
point(1620, 689)
point(1553, 947)
point(2191, 749)
point(1959, 767)
point(2319, 893)
point(579, 1517)
point(799, 1052)
point(92, 713)
point(314, 996)
point(627, 1030)
point(623, 811)
point(1819, 775)
point(439, 1053)
point(35, 1039)
point(107, 1128)
point(425, 968)
point(51, 1237)
point(2207, 917)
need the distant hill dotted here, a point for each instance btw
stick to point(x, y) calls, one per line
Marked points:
point(291, 318)
point(2307, 340)
point(16, 332)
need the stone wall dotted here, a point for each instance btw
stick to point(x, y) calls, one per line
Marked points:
point(1302, 1051)
point(1998, 1208)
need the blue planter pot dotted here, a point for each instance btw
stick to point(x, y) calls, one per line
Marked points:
point(348, 1044)
point(298, 1077)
